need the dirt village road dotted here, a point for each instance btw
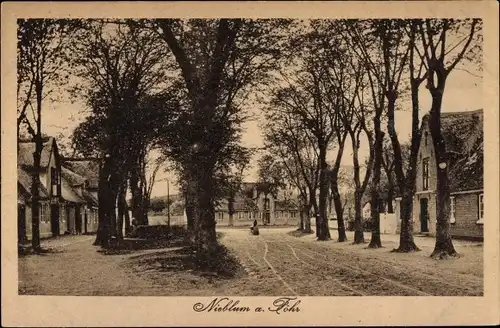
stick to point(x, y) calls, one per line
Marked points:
point(274, 263)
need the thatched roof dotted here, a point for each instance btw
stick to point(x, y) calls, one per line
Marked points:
point(27, 148)
point(68, 192)
point(88, 168)
point(24, 184)
point(463, 134)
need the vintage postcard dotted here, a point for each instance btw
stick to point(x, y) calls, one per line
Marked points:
point(250, 163)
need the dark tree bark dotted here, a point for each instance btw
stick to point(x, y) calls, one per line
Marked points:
point(444, 246)
point(314, 204)
point(322, 227)
point(230, 209)
point(390, 199)
point(306, 212)
point(35, 183)
point(360, 187)
point(375, 241)
point(35, 198)
point(204, 213)
point(103, 231)
point(406, 183)
point(358, 223)
point(339, 210)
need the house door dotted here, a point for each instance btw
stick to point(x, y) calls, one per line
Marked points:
point(78, 219)
point(68, 219)
point(85, 223)
point(267, 217)
point(424, 215)
point(54, 219)
point(21, 224)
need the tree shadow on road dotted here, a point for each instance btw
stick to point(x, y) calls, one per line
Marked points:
point(299, 233)
point(28, 251)
point(131, 245)
point(218, 265)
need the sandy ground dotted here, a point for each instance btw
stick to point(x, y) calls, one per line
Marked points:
point(273, 263)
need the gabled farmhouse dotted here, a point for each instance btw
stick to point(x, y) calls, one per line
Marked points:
point(463, 134)
point(50, 189)
point(68, 192)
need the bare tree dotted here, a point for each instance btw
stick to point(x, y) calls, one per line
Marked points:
point(286, 140)
point(445, 44)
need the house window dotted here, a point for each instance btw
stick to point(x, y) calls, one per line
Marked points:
point(240, 216)
point(481, 209)
point(54, 177)
point(452, 209)
point(426, 135)
point(425, 173)
point(43, 213)
point(221, 216)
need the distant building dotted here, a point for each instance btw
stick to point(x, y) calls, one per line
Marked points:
point(255, 201)
point(463, 134)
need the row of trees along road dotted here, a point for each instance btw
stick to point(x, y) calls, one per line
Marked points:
point(182, 87)
point(346, 79)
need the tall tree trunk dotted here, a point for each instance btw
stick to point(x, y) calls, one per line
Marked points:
point(407, 184)
point(324, 231)
point(358, 223)
point(230, 210)
point(375, 241)
point(338, 210)
point(103, 232)
point(390, 199)
point(206, 239)
point(406, 242)
point(314, 204)
point(35, 183)
point(444, 246)
point(302, 214)
point(35, 196)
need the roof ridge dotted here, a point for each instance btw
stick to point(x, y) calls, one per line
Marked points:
point(466, 112)
point(77, 159)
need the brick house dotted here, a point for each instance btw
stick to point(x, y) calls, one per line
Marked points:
point(463, 134)
point(50, 189)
